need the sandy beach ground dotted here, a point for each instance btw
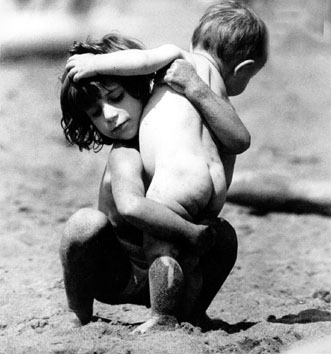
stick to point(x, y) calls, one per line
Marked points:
point(278, 293)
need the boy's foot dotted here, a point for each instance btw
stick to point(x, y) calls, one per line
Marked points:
point(157, 323)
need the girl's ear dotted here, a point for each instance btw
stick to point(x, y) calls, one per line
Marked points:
point(243, 66)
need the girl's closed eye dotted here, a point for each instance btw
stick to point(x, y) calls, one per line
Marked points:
point(115, 97)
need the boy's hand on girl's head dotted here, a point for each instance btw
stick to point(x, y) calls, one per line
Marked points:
point(80, 66)
point(182, 76)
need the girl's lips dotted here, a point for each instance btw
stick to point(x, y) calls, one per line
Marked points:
point(118, 128)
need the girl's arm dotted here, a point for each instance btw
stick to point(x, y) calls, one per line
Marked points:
point(145, 214)
point(123, 62)
point(221, 117)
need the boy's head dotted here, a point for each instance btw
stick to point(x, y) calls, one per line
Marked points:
point(236, 38)
point(79, 100)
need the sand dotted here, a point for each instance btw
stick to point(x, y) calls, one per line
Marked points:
point(278, 293)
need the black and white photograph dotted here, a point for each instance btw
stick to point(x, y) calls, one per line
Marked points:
point(165, 177)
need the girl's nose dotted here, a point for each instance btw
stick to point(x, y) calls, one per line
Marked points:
point(109, 112)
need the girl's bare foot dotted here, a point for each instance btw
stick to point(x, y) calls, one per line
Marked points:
point(157, 323)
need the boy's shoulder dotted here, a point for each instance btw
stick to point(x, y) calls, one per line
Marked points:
point(204, 60)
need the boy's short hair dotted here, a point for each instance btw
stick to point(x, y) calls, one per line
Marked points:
point(78, 96)
point(232, 32)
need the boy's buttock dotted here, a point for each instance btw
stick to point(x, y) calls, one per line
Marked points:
point(189, 186)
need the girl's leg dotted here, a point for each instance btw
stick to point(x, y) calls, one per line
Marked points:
point(216, 266)
point(92, 262)
point(172, 279)
point(173, 275)
point(193, 284)
point(166, 283)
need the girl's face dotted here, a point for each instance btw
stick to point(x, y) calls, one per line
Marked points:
point(114, 112)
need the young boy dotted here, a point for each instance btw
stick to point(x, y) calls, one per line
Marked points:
point(187, 169)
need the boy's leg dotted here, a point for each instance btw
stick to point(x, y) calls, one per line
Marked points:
point(92, 262)
point(216, 266)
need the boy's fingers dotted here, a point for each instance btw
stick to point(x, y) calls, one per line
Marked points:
point(69, 65)
point(72, 73)
point(167, 78)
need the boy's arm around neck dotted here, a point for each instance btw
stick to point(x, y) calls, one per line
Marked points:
point(221, 117)
point(145, 214)
point(216, 109)
point(128, 62)
point(135, 61)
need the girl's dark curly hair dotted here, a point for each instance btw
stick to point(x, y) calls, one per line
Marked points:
point(77, 96)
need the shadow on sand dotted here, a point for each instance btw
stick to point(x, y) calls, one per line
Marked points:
point(213, 324)
point(306, 316)
point(217, 324)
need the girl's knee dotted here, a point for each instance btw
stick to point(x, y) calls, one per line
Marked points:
point(232, 240)
point(82, 228)
point(166, 261)
point(166, 266)
point(229, 245)
point(227, 236)
point(225, 249)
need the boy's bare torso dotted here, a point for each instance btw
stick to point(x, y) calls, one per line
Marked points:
point(181, 160)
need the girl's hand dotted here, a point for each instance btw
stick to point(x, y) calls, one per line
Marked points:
point(81, 66)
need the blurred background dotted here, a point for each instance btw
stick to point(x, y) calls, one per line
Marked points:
point(45, 25)
point(287, 107)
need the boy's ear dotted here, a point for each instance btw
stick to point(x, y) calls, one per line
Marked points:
point(243, 66)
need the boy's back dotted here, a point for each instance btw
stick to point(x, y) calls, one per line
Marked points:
point(180, 157)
